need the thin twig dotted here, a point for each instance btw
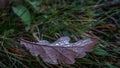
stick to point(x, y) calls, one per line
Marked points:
point(107, 4)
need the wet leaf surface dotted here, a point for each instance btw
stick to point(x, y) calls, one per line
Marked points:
point(61, 51)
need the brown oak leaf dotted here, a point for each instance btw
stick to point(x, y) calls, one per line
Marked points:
point(61, 51)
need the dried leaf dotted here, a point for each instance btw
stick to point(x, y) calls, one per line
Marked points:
point(7, 3)
point(3, 3)
point(61, 51)
point(15, 50)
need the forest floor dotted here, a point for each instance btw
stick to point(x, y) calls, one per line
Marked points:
point(52, 19)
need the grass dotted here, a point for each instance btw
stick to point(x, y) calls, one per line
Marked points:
point(53, 19)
